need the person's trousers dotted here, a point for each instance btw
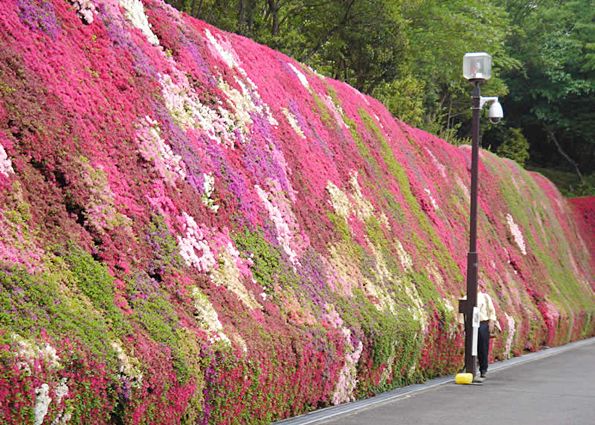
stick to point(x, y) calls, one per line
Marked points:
point(483, 346)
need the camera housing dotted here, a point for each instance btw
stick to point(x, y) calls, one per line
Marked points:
point(495, 113)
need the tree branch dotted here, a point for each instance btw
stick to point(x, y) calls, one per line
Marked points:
point(554, 139)
point(329, 34)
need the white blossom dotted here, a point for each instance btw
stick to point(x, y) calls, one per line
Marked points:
point(223, 49)
point(128, 366)
point(291, 119)
point(61, 390)
point(209, 187)
point(345, 204)
point(347, 380)
point(135, 12)
point(300, 76)
point(228, 275)
point(516, 234)
point(42, 403)
point(5, 163)
point(85, 9)
point(284, 221)
point(432, 200)
point(28, 352)
point(187, 110)
point(208, 317)
point(154, 149)
point(193, 246)
point(437, 164)
point(510, 322)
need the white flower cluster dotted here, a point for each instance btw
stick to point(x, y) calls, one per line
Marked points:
point(293, 122)
point(300, 76)
point(347, 380)
point(185, 107)
point(404, 257)
point(42, 403)
point(284, 220)
point(61, 391)
point(335, 109)
point(128, 367)
point(463, 188)
point(379, 121)
point(348, 376)
point(209, 187)
point(100, 209)
point(516, 234)
point(247, 100)
point(346, 204)
point(29, 353)
point(432, 200)
point(135, 12)
point(85, 9)
point(154, 149)
point(437, 164)
point(208, 317)
point(510, 336)
point(5, 163)
point(193, 247)
point(223, 49)
point(241, 103)
point(417, 309)
point(228, 274)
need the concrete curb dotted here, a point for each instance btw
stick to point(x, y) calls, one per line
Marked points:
point(327, 413)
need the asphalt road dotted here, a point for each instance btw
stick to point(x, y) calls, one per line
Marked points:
point(556, 386)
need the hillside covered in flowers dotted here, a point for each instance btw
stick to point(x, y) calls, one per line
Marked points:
point(197, 229)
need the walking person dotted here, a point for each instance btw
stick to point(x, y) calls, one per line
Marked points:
point(487, 323)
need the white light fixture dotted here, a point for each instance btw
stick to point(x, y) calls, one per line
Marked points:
point(477, 66)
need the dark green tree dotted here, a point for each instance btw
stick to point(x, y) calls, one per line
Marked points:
point(552, 94)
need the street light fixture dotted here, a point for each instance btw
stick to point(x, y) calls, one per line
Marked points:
point(477, 68)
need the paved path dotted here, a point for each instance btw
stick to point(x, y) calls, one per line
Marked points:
point(552, 387)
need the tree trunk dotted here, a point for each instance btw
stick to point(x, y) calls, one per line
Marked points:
point(274, 6)
point(554, 139)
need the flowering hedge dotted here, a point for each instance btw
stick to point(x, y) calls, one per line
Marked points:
point(197, 229)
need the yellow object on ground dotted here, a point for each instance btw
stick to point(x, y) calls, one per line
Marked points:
point(464, 378)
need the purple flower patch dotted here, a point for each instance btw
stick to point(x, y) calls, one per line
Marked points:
point(39, 15)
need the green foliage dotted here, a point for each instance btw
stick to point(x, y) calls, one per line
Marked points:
point(439, 34)
point(267, 261)
point(515, 146)
point(164, 247)
point(52, 302)
point(94, 281)
point(551, 96)
point(153, 311)
point(404, 98)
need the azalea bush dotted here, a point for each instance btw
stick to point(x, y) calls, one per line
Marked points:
point(197, 229)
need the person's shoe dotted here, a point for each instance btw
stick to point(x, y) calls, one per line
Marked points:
point(478, 379)
point(483, 374)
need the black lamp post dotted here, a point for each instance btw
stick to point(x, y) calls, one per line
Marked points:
point(477, 68)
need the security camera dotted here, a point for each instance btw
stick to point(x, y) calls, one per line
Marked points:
point(495, 112)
